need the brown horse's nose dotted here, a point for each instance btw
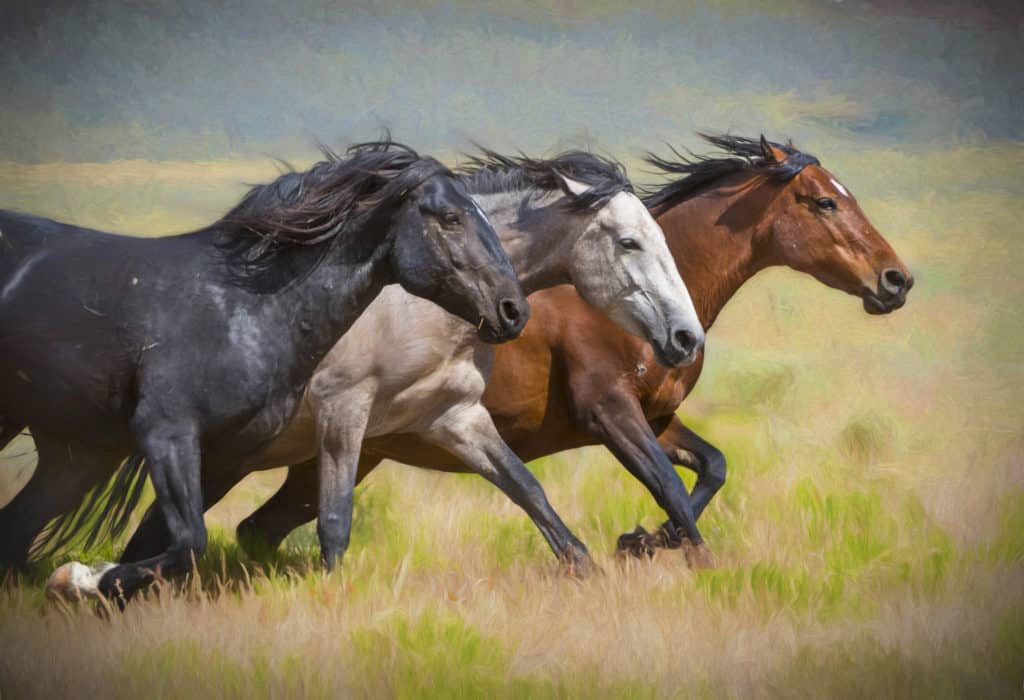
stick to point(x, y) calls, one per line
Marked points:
point(894, 282)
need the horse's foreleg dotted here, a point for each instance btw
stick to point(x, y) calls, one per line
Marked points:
point(469, 434)
point(152, 535)
point(341, 426)
point(620, 423)
point(173, 455)
point(63, 475)
point(688, 449)
point(684, 447)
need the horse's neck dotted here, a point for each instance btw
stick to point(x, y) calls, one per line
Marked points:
point(715, 245)
point(536, 233)
point(315, 310)
point(335, 295)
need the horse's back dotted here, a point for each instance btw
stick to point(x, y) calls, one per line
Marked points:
point(21, 238)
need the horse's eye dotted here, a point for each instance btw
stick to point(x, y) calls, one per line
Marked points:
point(630, 244)
point(449, 218)
point(826, 203)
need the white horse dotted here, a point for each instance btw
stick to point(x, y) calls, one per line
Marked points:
point(407, 366)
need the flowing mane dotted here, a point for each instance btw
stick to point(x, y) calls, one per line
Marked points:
point(333, 199)
point(701, 171)
point(492, 173)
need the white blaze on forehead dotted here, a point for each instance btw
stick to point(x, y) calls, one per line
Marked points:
point(842, 190)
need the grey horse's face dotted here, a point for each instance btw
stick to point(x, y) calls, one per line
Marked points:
point(622, 265)
point(446, 250)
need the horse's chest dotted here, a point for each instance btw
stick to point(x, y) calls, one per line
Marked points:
point(664, 390)
point(415, 402)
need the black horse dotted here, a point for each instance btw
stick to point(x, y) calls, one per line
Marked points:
point(197, 348)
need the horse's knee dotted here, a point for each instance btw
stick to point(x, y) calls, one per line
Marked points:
point(714, 468)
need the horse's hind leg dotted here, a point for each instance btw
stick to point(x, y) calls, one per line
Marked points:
point(64, 474)
point(469, 434)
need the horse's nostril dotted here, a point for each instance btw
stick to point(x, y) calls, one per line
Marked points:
point(893, 280)
point(509, 311)
point(685, 340)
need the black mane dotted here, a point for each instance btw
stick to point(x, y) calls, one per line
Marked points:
point(492, 173)
point(333, 199)
point(700, 172)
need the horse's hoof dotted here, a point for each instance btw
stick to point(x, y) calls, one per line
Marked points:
point(580, 565)
point(698, 556)
point(666, 537)
point(581, 569)
point(75, 581)
point(639, 544)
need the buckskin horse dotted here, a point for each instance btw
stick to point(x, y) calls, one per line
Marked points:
point(574, 379)
point(195, 349)
point(408, 367)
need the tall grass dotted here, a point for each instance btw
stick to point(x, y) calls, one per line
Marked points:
point(870, 535)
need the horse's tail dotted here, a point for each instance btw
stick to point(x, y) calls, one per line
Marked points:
point(103, 514)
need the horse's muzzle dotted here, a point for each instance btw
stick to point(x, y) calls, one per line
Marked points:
point(511, 317)
point(681, 349)
point(893, 286)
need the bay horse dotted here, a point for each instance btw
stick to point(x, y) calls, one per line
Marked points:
point(194, 350)
point(574, 379)
point(409, 368)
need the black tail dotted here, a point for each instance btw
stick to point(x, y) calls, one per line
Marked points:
point(103, 514)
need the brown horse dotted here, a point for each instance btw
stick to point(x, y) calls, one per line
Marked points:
point(573, 378)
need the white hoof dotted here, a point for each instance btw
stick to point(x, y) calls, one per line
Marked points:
point(75, 581)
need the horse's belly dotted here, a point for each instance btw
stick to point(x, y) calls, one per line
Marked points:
point(296, 443)
point(63, 389)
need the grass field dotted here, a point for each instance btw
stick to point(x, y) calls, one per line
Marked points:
point(870, 536)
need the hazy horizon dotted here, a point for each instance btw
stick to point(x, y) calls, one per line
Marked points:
point(96, 82)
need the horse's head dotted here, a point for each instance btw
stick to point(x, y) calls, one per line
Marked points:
point(443, 248)
point(587, 227)
point(622, 265)
point(817, 227)
point(446, 250)
point(384, 199)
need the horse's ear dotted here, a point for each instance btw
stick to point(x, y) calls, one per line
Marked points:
point(573, 188)
point(770, 153)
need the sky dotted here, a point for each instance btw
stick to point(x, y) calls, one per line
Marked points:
point(190, 80)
